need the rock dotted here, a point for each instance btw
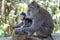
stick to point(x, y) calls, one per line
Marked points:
point(6, 38)
point(55, 36)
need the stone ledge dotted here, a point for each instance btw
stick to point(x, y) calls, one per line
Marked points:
point(56, 36)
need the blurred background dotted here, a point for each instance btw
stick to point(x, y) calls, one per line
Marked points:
point(11, 9)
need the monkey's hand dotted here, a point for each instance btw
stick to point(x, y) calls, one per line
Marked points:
point(20, 32)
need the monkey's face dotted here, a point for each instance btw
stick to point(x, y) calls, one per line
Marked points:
point(22, 17)
point(32, 10)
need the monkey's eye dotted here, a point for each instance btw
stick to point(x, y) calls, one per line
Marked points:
point(31, 7)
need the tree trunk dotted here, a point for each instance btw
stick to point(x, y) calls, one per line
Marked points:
point(2, 11)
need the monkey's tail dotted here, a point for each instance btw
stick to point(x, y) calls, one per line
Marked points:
point(50, 37)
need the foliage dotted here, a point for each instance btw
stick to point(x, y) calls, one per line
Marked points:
point(2, 33)
point(2, 30)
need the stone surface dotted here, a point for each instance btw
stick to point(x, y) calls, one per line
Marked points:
point(6, 38)
point(56, 36)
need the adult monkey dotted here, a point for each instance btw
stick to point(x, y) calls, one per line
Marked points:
point(42, 22)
